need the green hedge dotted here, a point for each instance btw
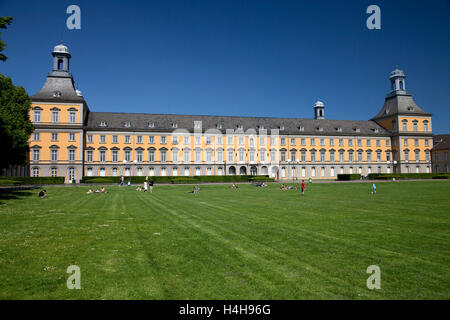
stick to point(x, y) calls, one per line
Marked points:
point(177, 179)
point(348, 176)
point(12, 181)
point(402, 176)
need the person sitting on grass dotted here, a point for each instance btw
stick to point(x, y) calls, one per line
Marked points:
point(138, 188)
point(196, 190)
point(102, 190)
point(43, 194)
point(90, 191)
point(234, 186)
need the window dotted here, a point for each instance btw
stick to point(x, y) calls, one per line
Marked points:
point(127, 139)
point(388, 142)
point(341, 142)
point(151, 125)
point(293, 141)
point(322, 142)
point(293, 155)
point(417, 155)
point(350, 142)
point(89, 155)
point(406, 155)
point(151, 155)
point(55, 116)
point(198, 140)
point(139, 156)
point(405, 142)
point(332, 159)
point(37, 116)
point(283, 156)
point(427, 155)
point(198, 171)
point(416, 142)
point(174, 140)
point(322, 156)
point(241, 156)
point(115, 139)
point(241, 140)
point(186, 155)
point(425, 126)
point(175, 172)
point(197, 124)
point(262, 156)
point(151, 139)
point(72, 117)
point(388, 156)
point(322, 172)
point(208, 155)
point(102, 156)
point(303, 155)
point(54, 155)
point(198, 155)
point(341, 156)
point(89, 138)
point(230, 156)
point(71, 155)
point(163, 156)
point(36, 154)
point(378, 155)
point(219, 155)
point(331, 142)
point(303, 141)
point(186, 172)
point(360, 156)
point(252, 143)
point(313, 156)
point(115, 172)
point(332, 173)
point(36, 136)
point(163, 172)
point(208, 140)
point(208, 171)
point(273, 156)
point(71, 136)
point(219, 140)
point(174, 125)
point(350, 156)
point(102, 124)
point(313, 141)
point(415, 127)
point(54, 136)
point(368, 143)
point(405, 125)
point(139, 139)
point(102, 139)
point(426, 143)
point(35, 172)
point(359, 142)
point(127, 154)
point(229, 140)
point(378, 143)
point(115, 156)
point(127, 124)
point(175, 155)
point(369, 156)
point(313, 172)
point(54, 172)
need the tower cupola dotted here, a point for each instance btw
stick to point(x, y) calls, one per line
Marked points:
point(61, 58)
point(397, 78)
point(319, 110)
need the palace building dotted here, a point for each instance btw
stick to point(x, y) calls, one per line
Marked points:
point(69, 140)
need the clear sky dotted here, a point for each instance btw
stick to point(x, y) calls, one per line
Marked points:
point(236, 57)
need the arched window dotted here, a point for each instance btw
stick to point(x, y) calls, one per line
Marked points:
point(60, 64)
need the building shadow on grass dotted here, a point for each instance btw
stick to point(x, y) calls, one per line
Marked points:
point(11, 193)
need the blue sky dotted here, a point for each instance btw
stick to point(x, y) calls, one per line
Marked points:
point(249, 58)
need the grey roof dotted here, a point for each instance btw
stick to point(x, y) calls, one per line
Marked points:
point(397, 103)
point(62, 84)
point(441, 142)
point(163, 122)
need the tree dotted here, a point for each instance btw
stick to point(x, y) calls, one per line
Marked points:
point(4, 22)
point(15, 124)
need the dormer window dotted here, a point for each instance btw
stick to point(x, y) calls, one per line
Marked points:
point(197, 124)
point(356, 129)
point(239, 126)
point(339, 129)
point(375, 130)
point(301, 128)
point(411, 109)
point(219, 126)
point(174, 125)
point(261, 127)
point(103, 124)
point(319, 129)
point(151, 125)
point(281, 127)
point(127, 124)
point(57, 94)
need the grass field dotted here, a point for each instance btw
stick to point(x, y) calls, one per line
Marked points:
point(249, 243)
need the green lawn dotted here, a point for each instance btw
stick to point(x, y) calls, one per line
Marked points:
point(249, 243)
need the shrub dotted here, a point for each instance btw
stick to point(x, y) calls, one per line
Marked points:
point(348, 176)
point(31, 180)
point(402, 176)
point(177, 179)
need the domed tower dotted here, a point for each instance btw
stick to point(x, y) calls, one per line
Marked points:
point(61, 58)
point(410, 127)
point(319, 110)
